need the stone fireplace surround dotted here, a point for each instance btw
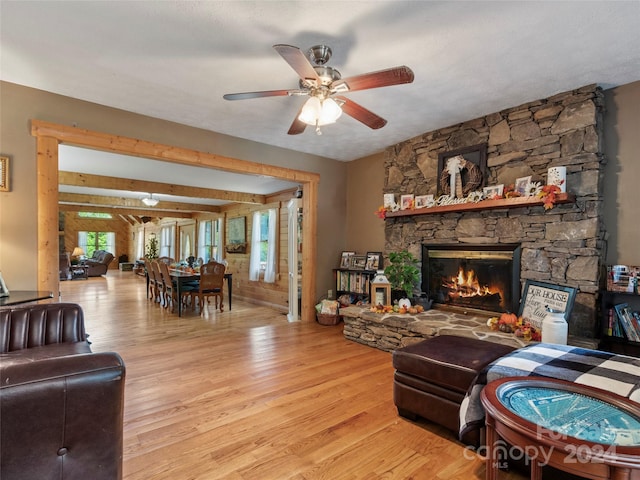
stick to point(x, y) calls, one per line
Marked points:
point(564, 245)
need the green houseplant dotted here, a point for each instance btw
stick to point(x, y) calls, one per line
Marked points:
point(152, 248)
point(403, 272)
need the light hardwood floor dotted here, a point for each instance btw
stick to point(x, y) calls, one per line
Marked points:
point(246, 395)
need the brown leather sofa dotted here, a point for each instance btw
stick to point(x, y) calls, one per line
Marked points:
point(61, 405)
point(99, 263)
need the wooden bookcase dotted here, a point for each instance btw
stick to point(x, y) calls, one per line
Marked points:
point(356, 283)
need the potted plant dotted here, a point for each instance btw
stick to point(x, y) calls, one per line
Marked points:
point(152, 248)
point(403, 272)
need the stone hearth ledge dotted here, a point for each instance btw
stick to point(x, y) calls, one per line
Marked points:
point(390, 331)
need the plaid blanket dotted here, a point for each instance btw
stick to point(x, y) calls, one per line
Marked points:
point(619, 374)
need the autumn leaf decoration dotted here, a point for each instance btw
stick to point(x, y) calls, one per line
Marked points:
point(381, 212)
point(549, 196)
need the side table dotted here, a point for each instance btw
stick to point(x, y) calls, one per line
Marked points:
point(79, 272)
point(582, 430)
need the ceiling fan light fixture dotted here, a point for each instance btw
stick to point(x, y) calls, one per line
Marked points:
point(150, 201)
point(318, 112)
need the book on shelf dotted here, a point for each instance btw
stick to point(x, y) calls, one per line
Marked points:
point(628, 322)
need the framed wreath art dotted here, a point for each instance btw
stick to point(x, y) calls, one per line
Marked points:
point(462, 171)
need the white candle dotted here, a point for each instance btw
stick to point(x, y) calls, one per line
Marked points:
point(558, 176)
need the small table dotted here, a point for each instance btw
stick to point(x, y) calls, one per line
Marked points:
point(17, 297)
point(79, 272)
point(575, 428)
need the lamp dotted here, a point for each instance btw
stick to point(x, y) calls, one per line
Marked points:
point(150, 201)
point(76, 254)
point(319, 112)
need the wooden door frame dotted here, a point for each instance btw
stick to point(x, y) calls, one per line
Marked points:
point(50, 135)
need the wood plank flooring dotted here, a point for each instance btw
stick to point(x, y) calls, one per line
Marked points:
point(245, 395)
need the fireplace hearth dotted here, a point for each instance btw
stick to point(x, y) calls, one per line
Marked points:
point(476, 277)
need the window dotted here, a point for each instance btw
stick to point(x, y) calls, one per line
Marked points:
point(210, 240)
point(92, 241)
point(263, 246)
point(167, 234)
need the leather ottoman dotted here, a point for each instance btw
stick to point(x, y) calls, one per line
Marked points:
point(432, 377)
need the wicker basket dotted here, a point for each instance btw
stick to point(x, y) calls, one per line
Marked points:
point(328, 319)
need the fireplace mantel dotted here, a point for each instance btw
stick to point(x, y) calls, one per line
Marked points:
point(501, 203)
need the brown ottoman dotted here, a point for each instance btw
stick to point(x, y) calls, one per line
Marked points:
point(432, 377)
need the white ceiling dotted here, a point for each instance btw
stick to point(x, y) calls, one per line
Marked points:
point(175, 59)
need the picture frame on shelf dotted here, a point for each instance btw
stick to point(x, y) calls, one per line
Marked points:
point(406, 201)
point(537, 296)
point(345, 259)
point(4, 291)
point(476, 155)
point(388, 200)
point(423, 201)
point(374, 261)
point(494, 191)
point(521, 185)
point(358, 262)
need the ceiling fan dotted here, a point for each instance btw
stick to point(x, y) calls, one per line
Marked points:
point(323, 85)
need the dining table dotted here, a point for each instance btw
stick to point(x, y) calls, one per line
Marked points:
point(181, 277)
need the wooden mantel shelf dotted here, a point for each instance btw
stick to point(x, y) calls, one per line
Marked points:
point(501, 203)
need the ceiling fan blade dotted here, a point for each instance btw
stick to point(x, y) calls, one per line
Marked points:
point(297, 126)
point(298, 61)
point(382, 78)
point(361, 114)
point(247, 95)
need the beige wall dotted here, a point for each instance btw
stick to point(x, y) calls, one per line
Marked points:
point(18, 209)
point(365, 181)
point(622, 174)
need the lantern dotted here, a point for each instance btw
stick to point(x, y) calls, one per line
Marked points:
point(380, 289)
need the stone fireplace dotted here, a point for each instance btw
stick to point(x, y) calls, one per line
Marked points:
point(472, 277)
point(564, 245)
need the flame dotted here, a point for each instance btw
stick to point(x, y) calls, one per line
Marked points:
point(466, 284)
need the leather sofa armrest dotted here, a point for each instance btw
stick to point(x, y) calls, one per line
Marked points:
point(62, 417)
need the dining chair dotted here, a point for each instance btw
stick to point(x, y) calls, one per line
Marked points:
point(159, 283)
point(171, 288)
point(151, 280)
point(211, 283)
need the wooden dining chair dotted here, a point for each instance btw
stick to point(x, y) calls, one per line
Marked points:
point(151, 280)
point(171, 288)
point(159, 283)
point(211, 283)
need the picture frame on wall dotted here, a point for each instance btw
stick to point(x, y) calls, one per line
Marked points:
point(345, 259)
point(374, 261)
point(536, 296)
point(476, 155)
point(4, 173)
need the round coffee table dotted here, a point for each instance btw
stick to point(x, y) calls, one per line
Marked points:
point(575, 428)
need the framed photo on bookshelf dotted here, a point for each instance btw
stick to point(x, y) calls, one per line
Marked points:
point(345, 259)
point(374, 261)
point(358, 262)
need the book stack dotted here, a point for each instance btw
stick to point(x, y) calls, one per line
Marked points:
point(624, 322)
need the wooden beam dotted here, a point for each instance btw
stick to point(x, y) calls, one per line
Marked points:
point(48, 240)
point(130, 185)
point(133, 203)
point(135, 213)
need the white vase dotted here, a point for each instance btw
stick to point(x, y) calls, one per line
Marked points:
point(554, 328)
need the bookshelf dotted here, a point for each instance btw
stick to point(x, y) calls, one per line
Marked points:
point(613, 337)
point(356, 283)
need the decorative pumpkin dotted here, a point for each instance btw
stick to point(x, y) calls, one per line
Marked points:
point(404, 302)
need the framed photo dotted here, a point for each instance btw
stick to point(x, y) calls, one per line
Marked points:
point(473, 173)
point(4, 291)
point(406, 202)
point(374, 261)
point(358, 262)
point(521, 185)
point(345, 259)
point(389, 200)
point(494, 191)
point(4, 174)
point(423, 201)
point(237, 230)
point(538, 295)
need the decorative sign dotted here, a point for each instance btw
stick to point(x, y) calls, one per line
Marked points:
point(4, 174)
point(538, 296)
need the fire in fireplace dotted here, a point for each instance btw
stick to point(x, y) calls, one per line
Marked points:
point(479, 277)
